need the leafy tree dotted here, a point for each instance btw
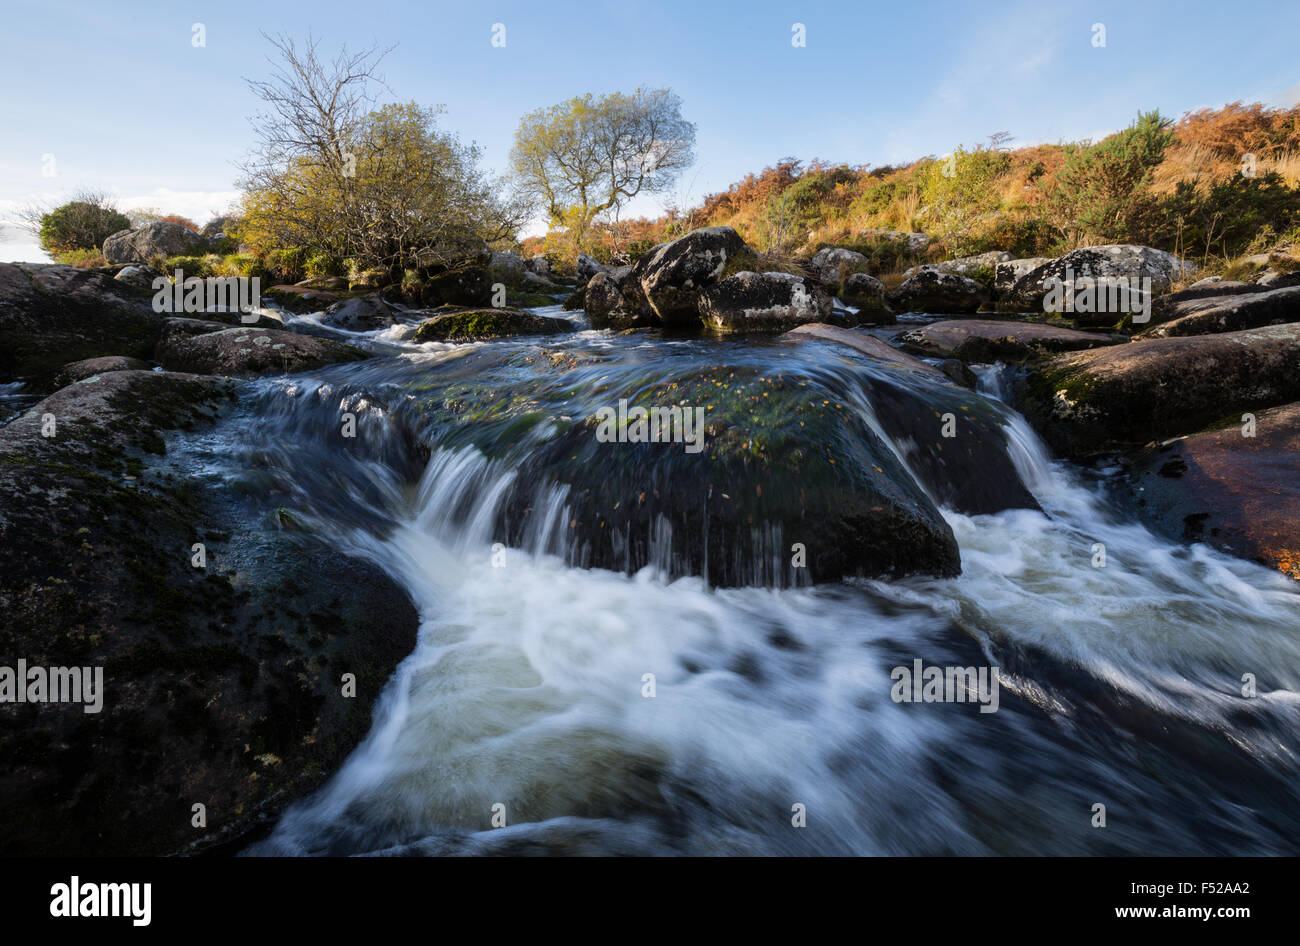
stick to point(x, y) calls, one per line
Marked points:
point(341, 180)
point(81, 224)
point(1104, 190)
point(589, 156)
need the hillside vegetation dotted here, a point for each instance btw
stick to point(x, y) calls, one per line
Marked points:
point(1215, 185)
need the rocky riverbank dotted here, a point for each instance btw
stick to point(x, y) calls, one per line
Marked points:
point(228, 631)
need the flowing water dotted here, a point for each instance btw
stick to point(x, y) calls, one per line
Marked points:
point(1120, 685)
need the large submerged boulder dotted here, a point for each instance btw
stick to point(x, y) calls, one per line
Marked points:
point(474, 325)
point(360, 314)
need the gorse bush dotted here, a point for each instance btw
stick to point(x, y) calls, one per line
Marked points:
point(1103, 192)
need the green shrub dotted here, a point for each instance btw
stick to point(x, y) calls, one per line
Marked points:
point(80, 225)
point(1228, 216)
point(1103, 190)
point(287, 264)
point(82, 259)
point(200, 266)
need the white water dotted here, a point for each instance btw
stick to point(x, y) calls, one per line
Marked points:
point(526, 690)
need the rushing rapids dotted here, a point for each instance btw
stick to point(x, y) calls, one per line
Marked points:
point(525, 702)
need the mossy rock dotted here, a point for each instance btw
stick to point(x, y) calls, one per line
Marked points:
point(208, 671)
point(475, 325)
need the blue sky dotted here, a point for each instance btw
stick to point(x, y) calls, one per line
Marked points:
point(118, 94)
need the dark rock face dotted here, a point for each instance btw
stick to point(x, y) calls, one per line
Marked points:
point(987, 340)
point(474, 325)
point(301, 299)
point(361, 314)
point(971, 471)
point(867, 294)
point(815, 475)
point(933, 290)
point(1007, 273)
point(575, 300)
point(247, 351)
point(1159, 388)
point(1238, 493)
point(221, 684)
point(53, 315)
point(612, 300)
point(763, 302)
point(1196, 298)
point(1232, 313)
point(161, 238)
point(673, 275)
point(80, 370)
point(1108, 263)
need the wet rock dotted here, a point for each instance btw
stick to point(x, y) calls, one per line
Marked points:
point(612, 300)
point(1234, 492)
point(867, 295)
point(673, 275)
point(248, 351)
point(763, 302)
point(914, 403)
point(473, 325)
point(576, 300)
point(1159, 388)
point(51, 315)
point(301, 299)
point(360, 314)
point(1232, 313)
point(161, 238)
point(90, 367)
point(932, 290)
point(221, 684)
point(986, 340)
point(782, 463)
point(958, 373)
